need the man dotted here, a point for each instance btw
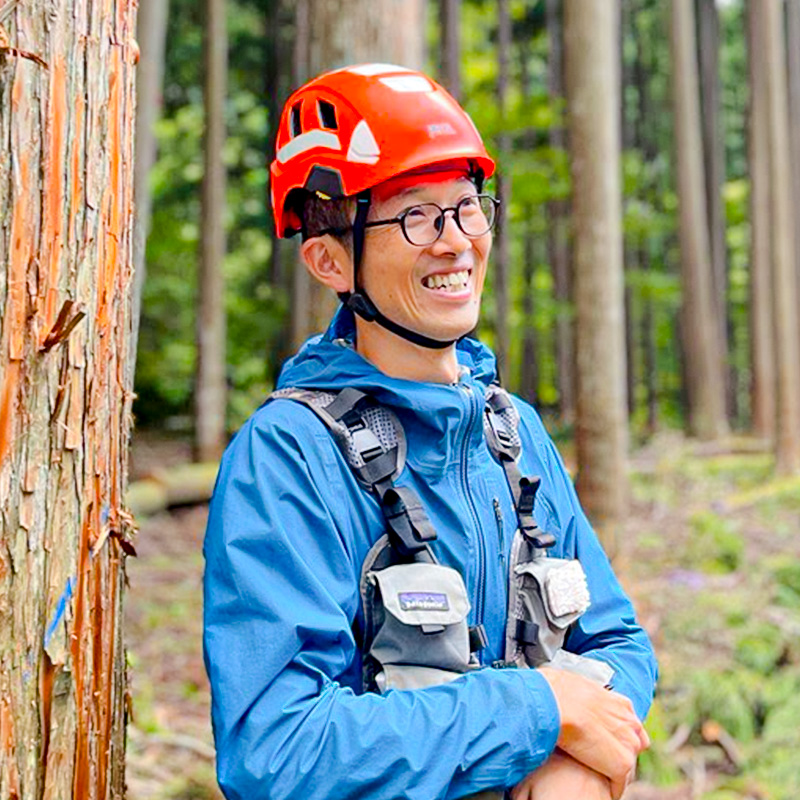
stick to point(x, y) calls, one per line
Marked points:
point(382, 172)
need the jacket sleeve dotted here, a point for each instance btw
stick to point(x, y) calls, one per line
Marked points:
point(608, 630)
point(280, 594)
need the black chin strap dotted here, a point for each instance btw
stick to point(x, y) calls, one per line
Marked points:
point(360, 303)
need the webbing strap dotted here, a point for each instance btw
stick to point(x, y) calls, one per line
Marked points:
point(506, 448)
point(375, 465)
point(409, 526)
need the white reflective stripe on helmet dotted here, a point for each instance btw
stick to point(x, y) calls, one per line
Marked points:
point(307, 141)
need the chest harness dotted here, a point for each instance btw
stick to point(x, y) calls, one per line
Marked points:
point(415, 609)
point(415, 630)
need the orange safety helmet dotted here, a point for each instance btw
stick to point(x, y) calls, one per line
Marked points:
point(351, 129)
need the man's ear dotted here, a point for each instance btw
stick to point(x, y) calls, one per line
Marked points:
point(329, 262)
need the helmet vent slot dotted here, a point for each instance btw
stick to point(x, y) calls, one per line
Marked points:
point(296, 129)
point(327, 115)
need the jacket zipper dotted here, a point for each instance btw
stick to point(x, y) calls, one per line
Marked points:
point(480, 588)
point(501, 549)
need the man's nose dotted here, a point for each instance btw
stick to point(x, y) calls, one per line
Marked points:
point(452, 238)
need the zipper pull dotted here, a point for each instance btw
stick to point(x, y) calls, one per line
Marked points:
point(498, 515)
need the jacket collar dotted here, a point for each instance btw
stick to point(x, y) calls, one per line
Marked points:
point(430, 412)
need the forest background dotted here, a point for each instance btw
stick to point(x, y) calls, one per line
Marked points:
point(708, 542)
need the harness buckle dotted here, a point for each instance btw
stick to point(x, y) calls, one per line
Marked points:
point(477, 638)
point(365, 441)
point(408, 523)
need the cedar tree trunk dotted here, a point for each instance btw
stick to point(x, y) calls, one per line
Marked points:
point(66, 259)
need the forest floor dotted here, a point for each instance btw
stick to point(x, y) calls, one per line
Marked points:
point(710, 553)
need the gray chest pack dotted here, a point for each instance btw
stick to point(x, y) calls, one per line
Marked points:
point(416, 632)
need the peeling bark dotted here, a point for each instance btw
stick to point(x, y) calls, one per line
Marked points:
point(66, 234)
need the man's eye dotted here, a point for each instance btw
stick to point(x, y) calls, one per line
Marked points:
point(416, 212)
point(469, 202)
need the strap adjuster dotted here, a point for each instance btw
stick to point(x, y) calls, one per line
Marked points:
point(477, 638)
point(365, 441)
point(409, 526)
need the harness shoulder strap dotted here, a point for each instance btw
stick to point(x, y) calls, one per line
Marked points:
point(501, 427)
point(372, 441)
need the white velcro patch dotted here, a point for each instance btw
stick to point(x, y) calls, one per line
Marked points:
point(363, 147)
point(567, 590)
point(407, 83)
point(307, 141)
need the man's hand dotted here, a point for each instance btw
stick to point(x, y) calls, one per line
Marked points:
point(563, 778)
point(599, 728)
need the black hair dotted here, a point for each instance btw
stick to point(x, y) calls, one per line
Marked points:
point(319, 215)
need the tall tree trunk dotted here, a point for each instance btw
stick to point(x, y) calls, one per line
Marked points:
point(503, 183)
point(704, 363)
point(762, 344)
point(784, 270)
point(210, 386)
point(450, 23)
point(342, 32)
point(558, 229)
point(649, 345)
point(793, 38)
point(274, 97)
point(591, 28)
point(529, 373)
point(630, 127)
point(714, 159)
point(644, 140)
point(66, 250)
point(152, 38)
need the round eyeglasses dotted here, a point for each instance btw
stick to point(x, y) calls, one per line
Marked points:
point(423, 224)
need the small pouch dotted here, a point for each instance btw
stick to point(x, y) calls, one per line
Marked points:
point(422, 637)
point(546, 596)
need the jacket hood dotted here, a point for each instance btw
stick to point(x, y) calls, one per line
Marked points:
point(431, 411)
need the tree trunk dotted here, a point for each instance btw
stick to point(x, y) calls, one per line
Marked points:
point(782, 217)
point(274, 97)
point(210, 386)
point(591, 28)
point(152, 38)
point(649, 345)
point(529, 373)
point(793, 38)
point(630, 124)
point(714, 159)
point(704, 363)
point(762, 345)
point(644, 138)
point(450, 23)
point(342, 32)
point(558, 229)
point(503, 183)
point(66, 254)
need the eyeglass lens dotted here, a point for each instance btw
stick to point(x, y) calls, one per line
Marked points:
point(474, 216)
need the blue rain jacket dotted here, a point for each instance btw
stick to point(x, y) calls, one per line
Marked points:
point(288, 530)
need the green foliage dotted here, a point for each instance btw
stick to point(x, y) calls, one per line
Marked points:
point(254, 307)
point(539, 173)
point(656, 764)
point(715, 546)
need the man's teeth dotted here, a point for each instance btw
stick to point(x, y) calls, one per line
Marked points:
point(452, 282)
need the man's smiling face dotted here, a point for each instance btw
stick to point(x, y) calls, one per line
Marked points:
point(435, 289)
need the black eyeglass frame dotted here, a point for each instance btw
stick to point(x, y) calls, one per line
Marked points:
point(400, 220)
